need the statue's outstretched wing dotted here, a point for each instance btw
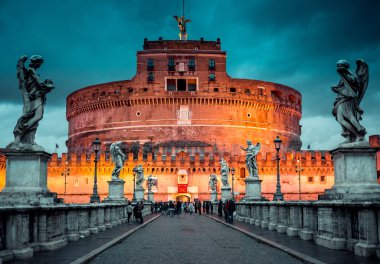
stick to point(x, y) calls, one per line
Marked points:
point(21, 76)
point(256, 149)
point(362, 73)
point(176, 18)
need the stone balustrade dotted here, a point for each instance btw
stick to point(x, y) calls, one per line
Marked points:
point(335, 225)
point(28, 229)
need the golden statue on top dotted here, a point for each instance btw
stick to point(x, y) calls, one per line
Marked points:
point(182, 26)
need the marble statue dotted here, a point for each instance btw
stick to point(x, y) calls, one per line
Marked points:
point(224, 170)
point(250, 158)
point(34, 98)
point(213, 182)
point(150, 182)
point(350, 91)
point(140, 176)
point(118, 157)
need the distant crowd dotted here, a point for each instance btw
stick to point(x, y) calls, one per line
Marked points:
point(176, 208)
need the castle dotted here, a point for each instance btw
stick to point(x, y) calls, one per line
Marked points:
point(178, 116)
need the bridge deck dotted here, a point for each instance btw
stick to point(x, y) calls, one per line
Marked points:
point(193, 239)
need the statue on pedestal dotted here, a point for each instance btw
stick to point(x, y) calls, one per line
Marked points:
point(250, 158)
point(213, 182)
point(224, 170)
point(118, 157)
point(350, 91)
point(140, 176)
point(34, 98)
point(150, 182)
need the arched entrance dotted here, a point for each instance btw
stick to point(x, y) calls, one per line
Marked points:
point(183, 197)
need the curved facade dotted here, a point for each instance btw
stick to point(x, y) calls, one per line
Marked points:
point(182, 97)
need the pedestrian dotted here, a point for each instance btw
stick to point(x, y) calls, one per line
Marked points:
point(129, 211)
point(191, 208)
point(199, 207)
point(140, 209)
point(211, 207)
point(220, 208)
point(171, 209)
point(231, 210)
point(225, 210)
point(207, 206)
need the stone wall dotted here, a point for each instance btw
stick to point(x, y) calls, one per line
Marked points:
point(336, 225)
point(27, 229)
point(318, 174)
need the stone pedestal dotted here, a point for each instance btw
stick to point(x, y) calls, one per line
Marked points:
point(26, 179)
point(226, 193)
point(115, 191)
point(253, 189)
point(150, 196)
point(214, 196)
point(139, 193)
point(355, 174)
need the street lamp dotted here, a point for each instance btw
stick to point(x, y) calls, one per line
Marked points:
point(65, 173)
point(134, 185)
point(233, 178)
point(278, 196)
point(299, 169)
point(95, 196)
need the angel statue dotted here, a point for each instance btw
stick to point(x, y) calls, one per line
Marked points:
point(118, 157)
point(150, 182)
point(350, 91)
point(213, 182)
point(250, 158)
point(34, 98)
point(140, 176)
point(182, 26)
point(224, 170)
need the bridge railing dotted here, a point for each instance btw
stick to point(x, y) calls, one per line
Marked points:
point(28, 229)
point(336, 225)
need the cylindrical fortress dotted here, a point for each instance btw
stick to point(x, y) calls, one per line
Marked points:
point(182, 98)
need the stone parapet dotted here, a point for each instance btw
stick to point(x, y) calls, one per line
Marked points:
point(352, 226)
point(28, 229)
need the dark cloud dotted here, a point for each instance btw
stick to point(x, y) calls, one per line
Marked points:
point(294, 42)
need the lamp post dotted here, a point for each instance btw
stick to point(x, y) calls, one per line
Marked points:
point(65, 173)
point(278, 196)
point(95, 196)
point(299, 169)
point(134, 185)
point(233, 178)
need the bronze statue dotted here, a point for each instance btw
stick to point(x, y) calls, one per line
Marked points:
point(182, 26)
point(250, 158)
point(34, 98)
point(118, 157)
point(350, 91)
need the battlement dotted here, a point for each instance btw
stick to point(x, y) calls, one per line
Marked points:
point(197, 45)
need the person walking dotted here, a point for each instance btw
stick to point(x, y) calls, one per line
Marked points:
point(140, 207)
point(220, 208)
point(129, 211)
point(199, 207)
point(191, 208)
point(231, 210)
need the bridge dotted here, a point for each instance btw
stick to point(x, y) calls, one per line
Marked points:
point(98, 233)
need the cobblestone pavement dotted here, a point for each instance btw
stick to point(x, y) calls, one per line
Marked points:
point(191, 239)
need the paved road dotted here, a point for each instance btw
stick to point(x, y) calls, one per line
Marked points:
point(191, 239)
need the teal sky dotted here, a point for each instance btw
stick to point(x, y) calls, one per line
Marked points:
point(292, 42)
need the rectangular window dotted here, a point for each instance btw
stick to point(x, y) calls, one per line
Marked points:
point(216, 89)
point(171, 64)
point(191, 85)
point(310, 179)
point(211, 77)
point(150, 77)
point(191, 64)
point(171, 85)
point(150, 64)
point(181, 85)
point(323, 179)
point(211, 64)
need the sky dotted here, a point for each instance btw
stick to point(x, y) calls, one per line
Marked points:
point(291, 42)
